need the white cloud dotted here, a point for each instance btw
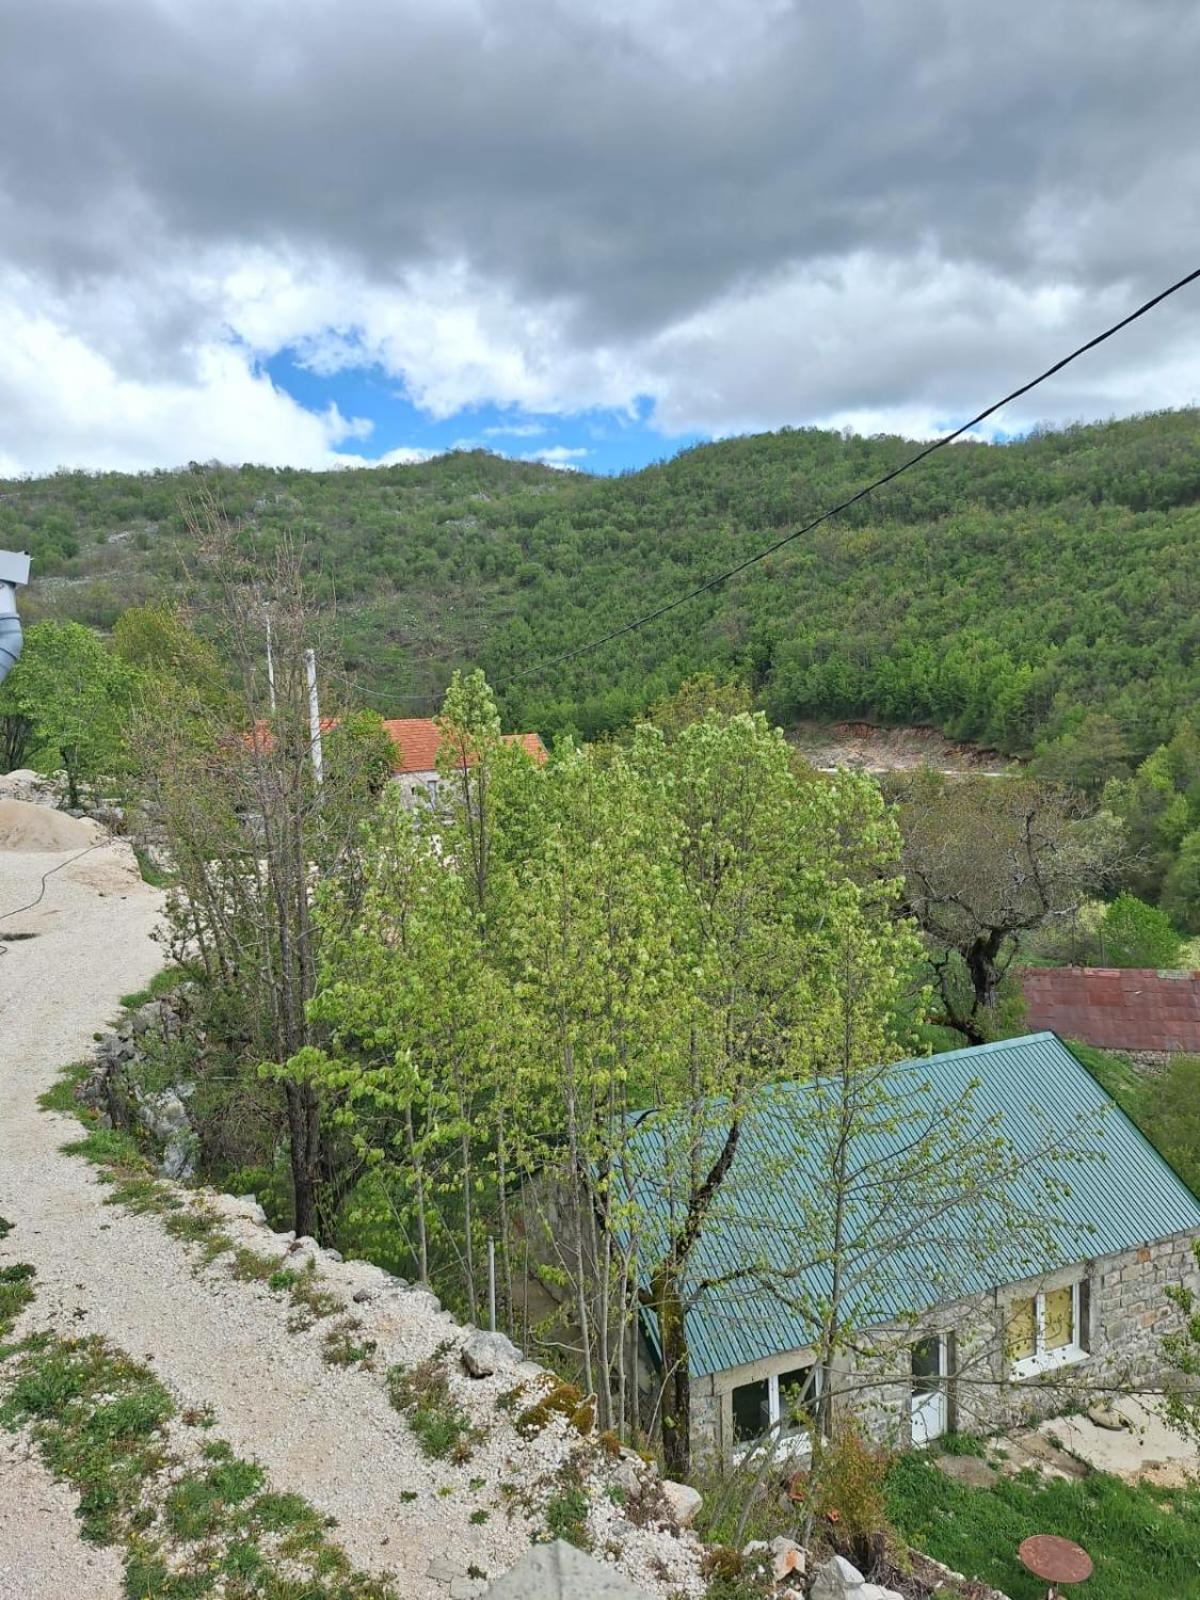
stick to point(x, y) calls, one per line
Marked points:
point(64, 401)
point(911, 345)
point(557, 455)
point(403, 456)
point(515, 430)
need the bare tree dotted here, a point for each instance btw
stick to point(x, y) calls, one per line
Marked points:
point(987, 860)
point(250, 834)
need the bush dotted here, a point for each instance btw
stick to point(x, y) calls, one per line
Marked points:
point(846, 1485)
point(1133, 934)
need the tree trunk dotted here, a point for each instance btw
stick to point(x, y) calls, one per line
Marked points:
point(667, 1304)
point(302, 1140)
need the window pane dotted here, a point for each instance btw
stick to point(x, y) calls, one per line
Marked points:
point(797, 1398)
point(1060, 1318)
point(1021, 1336)
point(751, 1411)
point(927, 1365)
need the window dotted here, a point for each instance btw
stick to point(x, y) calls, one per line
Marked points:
point(797, 1399)
point(751, 1411)
point(786, 1399)
point(1046, 1330)
point(432, 790)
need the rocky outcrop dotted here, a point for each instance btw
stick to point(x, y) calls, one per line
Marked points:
point(115, 1090)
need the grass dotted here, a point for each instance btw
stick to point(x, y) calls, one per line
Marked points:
point(16, 1292)
point(566, 1511)
point(1143, 1540)
point(160, 984)
point(343, 1347)
point(1165, 1106)
point(440, 1425)
point(151, 872)
point(60, 1096)
point(186, 1528)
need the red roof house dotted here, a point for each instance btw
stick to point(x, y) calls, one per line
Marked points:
point(1116, 1008)
point(417, 742)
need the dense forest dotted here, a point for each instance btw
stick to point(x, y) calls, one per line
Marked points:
point(1004, 593)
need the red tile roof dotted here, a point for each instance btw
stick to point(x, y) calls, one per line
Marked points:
point(417, 742)
point(1116, 1009)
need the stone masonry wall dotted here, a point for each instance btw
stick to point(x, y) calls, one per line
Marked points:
point(1127, 1315)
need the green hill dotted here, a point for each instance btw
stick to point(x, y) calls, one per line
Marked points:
point(999, 592)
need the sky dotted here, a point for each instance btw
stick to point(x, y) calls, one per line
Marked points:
point(585, 232)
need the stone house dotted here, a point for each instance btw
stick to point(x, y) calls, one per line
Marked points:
point(958, 1327)
point(417, 741)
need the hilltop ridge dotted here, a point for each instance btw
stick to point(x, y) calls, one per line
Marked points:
point(998, 592)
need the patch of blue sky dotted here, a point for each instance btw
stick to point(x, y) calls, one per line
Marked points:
point(600, 440)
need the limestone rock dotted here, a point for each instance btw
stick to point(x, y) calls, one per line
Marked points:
point(789, 1559)
point(484, 1352)
point(1106, 1416)
point(836, 1579)
point(971, 1470)
point(423, 1301)
point(683, 1500)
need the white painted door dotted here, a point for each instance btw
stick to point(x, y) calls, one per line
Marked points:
point(929, 1401)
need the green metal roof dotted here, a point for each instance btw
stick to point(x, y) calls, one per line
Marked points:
point(1122, 1195)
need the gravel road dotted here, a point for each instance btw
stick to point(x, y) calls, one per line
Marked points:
point(326, 1432)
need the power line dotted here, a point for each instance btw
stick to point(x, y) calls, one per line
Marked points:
point(861, 494)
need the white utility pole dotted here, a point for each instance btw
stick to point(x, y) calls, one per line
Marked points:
point(314, 716)
point(270, 666)
point(492, 1284)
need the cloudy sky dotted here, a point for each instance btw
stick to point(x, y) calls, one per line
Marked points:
point(584, 231)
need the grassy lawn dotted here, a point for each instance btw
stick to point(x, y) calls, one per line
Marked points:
point(1165, 1105)
point(1144, 1541)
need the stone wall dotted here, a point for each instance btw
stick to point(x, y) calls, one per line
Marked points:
point(1127, 1314)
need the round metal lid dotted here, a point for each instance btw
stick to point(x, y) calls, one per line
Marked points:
point(1057, 1560)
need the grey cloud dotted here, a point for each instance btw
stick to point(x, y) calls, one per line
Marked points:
point(662, 174)
point(572, 156)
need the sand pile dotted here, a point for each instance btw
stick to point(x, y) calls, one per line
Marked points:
point(28, 827)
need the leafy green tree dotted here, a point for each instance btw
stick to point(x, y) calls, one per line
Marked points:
point(1159, 806)
point(1089, 755)
point(160, 642)
point(1133, 934)
point(1181, 891)
point(987, 860)
point(76, 697)
point(248, 831)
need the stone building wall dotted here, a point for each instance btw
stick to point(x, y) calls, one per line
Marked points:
point(1127, 1314)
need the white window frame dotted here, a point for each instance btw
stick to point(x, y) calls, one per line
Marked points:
point(797, 1443)
point(1043, 1360)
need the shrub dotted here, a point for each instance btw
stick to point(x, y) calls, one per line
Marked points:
point(1133, 934)
point(846, 1486)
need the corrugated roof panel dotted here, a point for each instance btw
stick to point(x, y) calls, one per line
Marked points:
point(1120, 1195)
point(1116, 1008)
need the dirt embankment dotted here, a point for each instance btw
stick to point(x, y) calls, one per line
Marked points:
point(868, 747)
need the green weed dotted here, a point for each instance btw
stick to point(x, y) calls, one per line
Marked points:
point(441, 1427)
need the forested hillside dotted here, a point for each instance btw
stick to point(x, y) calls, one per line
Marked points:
point(1001, 592)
